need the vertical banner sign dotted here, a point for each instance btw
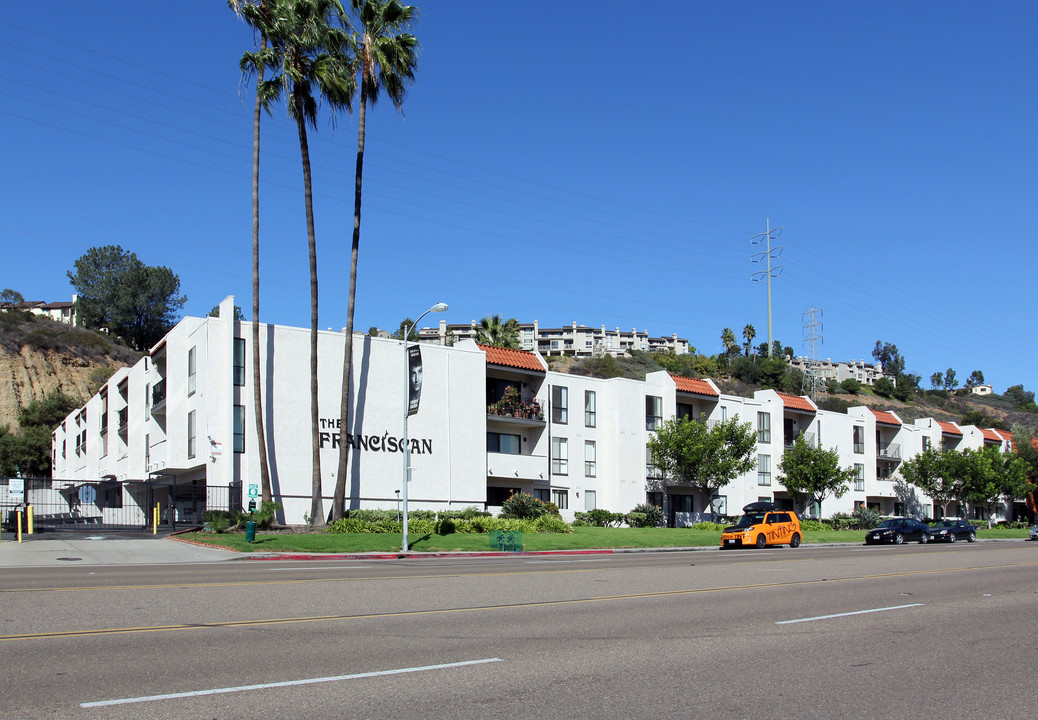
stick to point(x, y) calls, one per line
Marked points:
point(414, 378)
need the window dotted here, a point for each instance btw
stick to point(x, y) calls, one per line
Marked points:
point(590, 498)
point(239, 428)
point(560, 404)
point(651, 471)
point(589, 458)
point(191, 372)
point(559, 456)
point(859, 439)
point(239, 361)
point(859, 477)
point(654, 498)
point(503, 443)
point(560, 498)
point(191, 434)
point(541, 494)
point(104, 412)
point(764, 469)
point(653, 412)
point(589, 408)
point(926, 444)
point(763, 427)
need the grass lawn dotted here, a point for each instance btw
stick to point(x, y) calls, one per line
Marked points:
point(582, 538)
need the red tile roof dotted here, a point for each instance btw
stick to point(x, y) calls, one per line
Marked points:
point(691, 385)
point(992, 435)
point(885, 418)
point(949, 428)
point(795, 402)
point(512, 358)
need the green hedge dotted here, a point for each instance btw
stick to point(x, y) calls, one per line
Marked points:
point(379, 523)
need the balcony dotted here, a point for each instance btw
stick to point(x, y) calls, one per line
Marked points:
point(124, 420)
point(158, 397)
point(516, 467)
point(891, 452)
point(809, 438)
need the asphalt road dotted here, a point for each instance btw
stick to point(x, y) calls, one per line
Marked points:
point(910, 631)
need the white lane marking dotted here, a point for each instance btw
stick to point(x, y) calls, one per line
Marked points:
point(856, 612)
point(311, 569)
point(286, 683)
point(534, 562)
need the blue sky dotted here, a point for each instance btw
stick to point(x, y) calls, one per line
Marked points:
point(563, 162)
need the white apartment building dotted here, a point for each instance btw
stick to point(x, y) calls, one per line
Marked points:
point(575, 340)
point(490, 422)
point(863, 372)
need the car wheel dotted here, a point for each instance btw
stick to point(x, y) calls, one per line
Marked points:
point(794, 542)
point(898, 539)
point(952, 537)
point(972, 537)
point(761, 540)
point(923, 539)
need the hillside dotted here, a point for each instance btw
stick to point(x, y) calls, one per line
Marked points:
point(38, 356)
point(967, 409)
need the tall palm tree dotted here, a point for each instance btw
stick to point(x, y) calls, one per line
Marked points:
point(266, 491)
point(728, 340)
point(306, 51)
point(748, 333)
point(387, 57)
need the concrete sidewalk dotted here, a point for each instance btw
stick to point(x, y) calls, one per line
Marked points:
point(63, 549)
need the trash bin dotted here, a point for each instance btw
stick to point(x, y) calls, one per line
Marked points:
point(250, 531)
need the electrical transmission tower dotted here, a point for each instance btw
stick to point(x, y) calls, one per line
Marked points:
point(813, 380)
point(767, 255)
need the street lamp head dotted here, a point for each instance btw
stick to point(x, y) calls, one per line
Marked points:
point(438, 307)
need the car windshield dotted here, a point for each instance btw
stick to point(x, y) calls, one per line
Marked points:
point(945, 523)
point(751, 519)
point(889, 524)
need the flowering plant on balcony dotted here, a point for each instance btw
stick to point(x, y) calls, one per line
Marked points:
point(512, 405)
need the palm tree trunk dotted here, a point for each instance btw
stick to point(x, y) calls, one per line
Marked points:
point(261, 439)
point(316, 501)
point(339, 501)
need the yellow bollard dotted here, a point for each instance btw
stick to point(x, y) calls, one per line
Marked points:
point(29, 516)
point(155, 519)
point(19, 531)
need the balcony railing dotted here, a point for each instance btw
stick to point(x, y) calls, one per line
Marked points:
point(809, 438)
point(124, 419)
point(890, 451)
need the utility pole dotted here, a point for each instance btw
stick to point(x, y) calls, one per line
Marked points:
point(767, 255)
point(812, 339)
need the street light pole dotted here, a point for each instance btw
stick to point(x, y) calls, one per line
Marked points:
point(438, 307)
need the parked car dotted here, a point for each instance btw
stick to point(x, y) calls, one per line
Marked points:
point(762, 525)
point(952, 530)
point(897, 530)
point(1034, 533)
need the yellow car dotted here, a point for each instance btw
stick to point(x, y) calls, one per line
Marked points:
point(762, 525)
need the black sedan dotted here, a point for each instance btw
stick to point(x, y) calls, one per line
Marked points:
point(953, 530)
point(897, 530)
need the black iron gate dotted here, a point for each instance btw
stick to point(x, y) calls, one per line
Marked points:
point(113, 505)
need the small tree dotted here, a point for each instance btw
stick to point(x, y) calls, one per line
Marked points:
point(884, 386)
point(936, 473)
point(813, 472)
point(851, 385)
point(691, 453)
point(949, 379)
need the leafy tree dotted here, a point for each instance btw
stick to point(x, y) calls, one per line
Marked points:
point(386, 57)
point(261, 20)
point(991, 475)
point(1023, 399)
point(889, 357)
point(975, 379)
point(306, 52)
point(373, 331)
point(814, 473)
point(907, 387)
point(1024, 447)
point(119, 293)
point(27, 453)
point(851, 385)
point(9, 298)
point(493, 331)
point(691, 453)
point(884, 387)
point(406, 326)
point(937, 381)
point(748, 333)
point(238, 314)
point(937, 473)
point(949, 379)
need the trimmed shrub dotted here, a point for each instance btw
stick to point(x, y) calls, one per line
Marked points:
point(707, 525)
point(653, 515)
point(552, 524)
point(813, 525)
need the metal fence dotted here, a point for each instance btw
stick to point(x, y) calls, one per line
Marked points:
point(112, 505)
